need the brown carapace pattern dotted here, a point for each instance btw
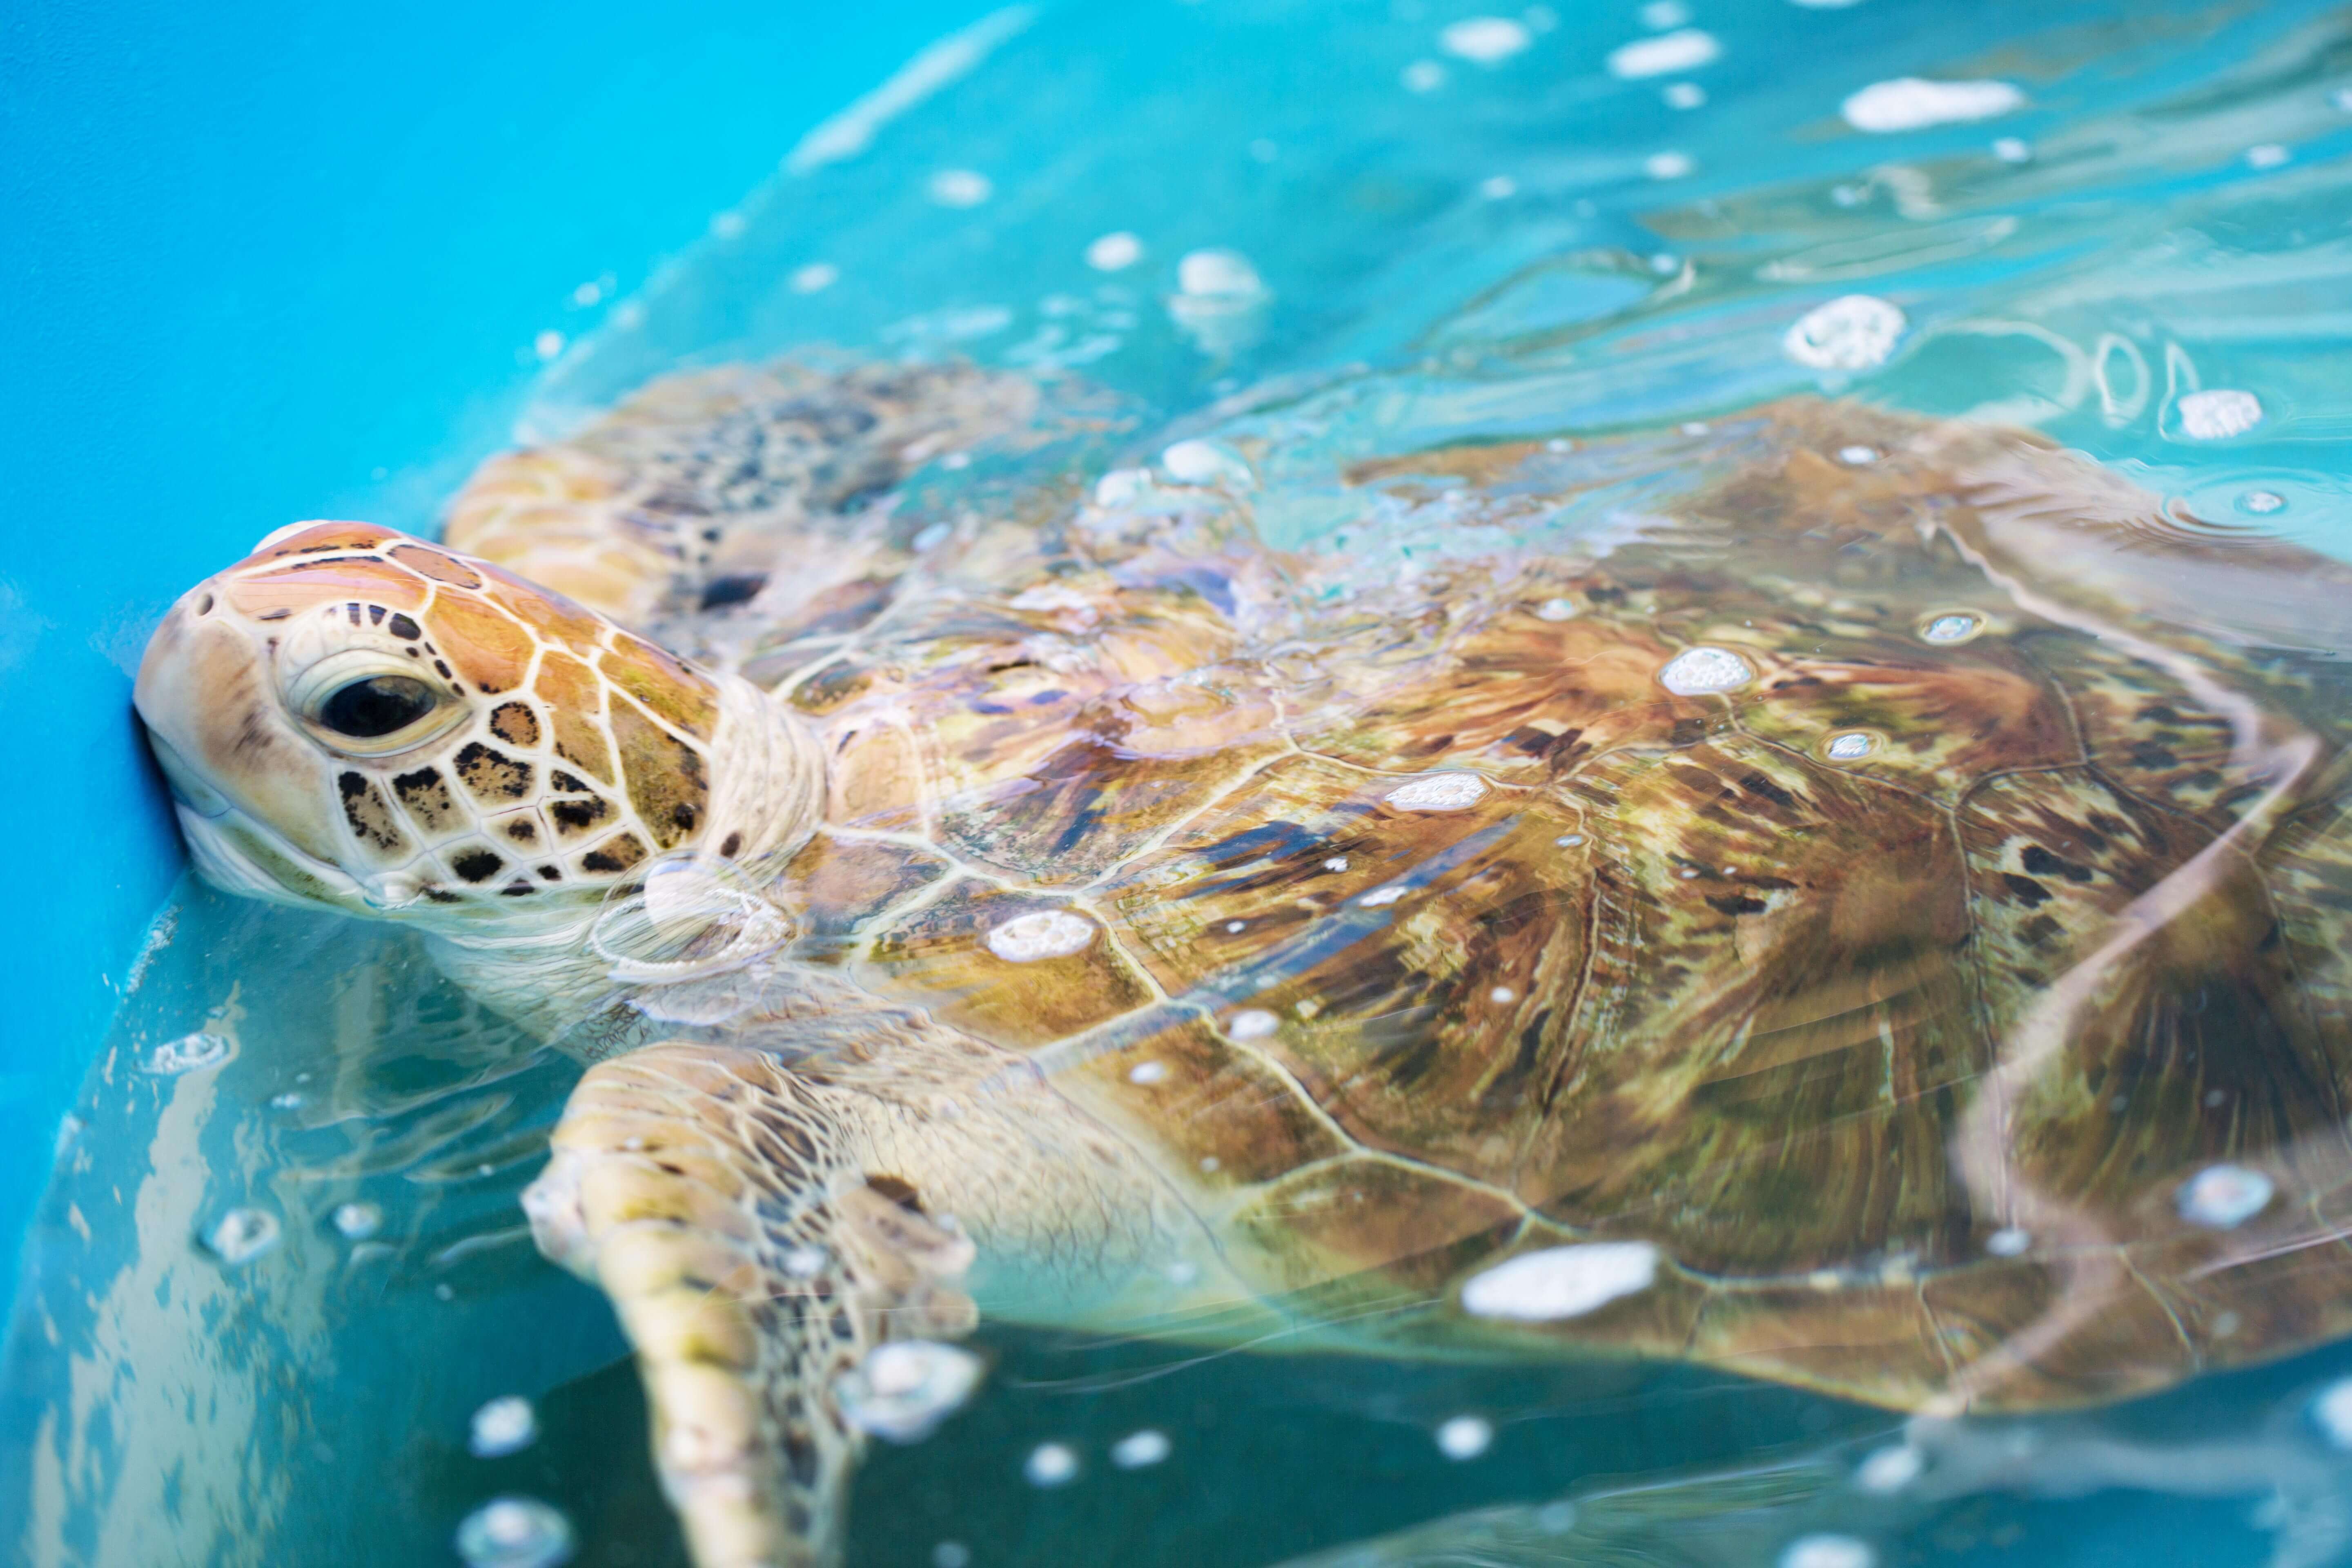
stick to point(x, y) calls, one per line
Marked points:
point(1725, 973)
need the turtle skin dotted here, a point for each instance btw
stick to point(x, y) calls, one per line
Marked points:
point(1892, 992)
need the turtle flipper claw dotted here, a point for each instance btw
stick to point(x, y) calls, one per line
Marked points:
point(753, 1267)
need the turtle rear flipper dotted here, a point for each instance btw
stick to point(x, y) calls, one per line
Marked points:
point(705, 1189)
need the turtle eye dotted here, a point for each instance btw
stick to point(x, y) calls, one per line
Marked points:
point(377, 706)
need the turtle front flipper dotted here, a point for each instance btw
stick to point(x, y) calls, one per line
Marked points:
point(708, 1190)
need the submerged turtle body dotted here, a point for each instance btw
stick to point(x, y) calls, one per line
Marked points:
point(1870, 917)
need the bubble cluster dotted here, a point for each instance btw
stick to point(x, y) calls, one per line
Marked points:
point(2218, 414)
point(1439, 792)
point(188, 1053)
point(515, 1532)
point(504, 1425)
point(1699, 670)
point(1855, 331)
point(1046, 933)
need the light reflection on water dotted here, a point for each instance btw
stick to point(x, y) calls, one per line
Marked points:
point(2143, 253)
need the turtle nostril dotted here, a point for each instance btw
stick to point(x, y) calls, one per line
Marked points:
point(205, 605)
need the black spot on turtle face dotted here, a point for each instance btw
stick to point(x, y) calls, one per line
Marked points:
point(733, 842)
point(522, 831)
point(476, 865)
point(375, 615)
point(2043, 863)
point(517, 890)
point(492, 776)
point(515, 723)
point(574, 817)
point(558, 779)
point(403, 628)
point(427, 798)
point(734, 589)
point(369, 813)
point(616, 854)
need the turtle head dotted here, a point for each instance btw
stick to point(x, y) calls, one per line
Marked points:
point(355, 718)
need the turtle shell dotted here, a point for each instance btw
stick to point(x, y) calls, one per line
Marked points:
point(1888, 879)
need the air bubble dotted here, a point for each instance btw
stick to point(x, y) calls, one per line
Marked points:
point(905, 1388)
point(1252, 1024)
point(1465, 1436)
point(1956, 627)
point(1147, 1072)
point(1561, 1281)
point(814, 278)
point(504, 1425)
point(1498, 188)
point(959, 187)
point(1051, 1465)
point(2008, 1242)
point(2012, 149)
point(1484, 40)
point(1909, 102)
point(1852, 746)
point(1380, 896)
point(1853, 331)
point(2218, 414)
point(515, 1532)
point(1115, 252)
point(2266, 155)
point(1699, 670)
point(1684, 95)
point(2331, 1412)
point(242, 1235)
point(1048, 933)
point(1439, 792)
point(1669, 166)
point(1683, 49)
point(2223, 1197)
point(188, 1053)
point(1828, 1552)
point(1857, 457)
point(1140, 1450)
point(357, 1221)
point(1890, 1469)
point(1502, 995)
point(950, 1554)
point(1422, 75)
point(2261, 503)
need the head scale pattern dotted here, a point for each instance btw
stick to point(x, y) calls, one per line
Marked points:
point(354, 717)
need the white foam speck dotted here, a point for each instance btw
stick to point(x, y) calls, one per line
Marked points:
point(1046, 933)
point(1856, 456)
point(2220, 414)
point(959, 187)
point(1502, 995)
point(1140, 1450)
point(1252, 1024)
point(1381, 896)
point(1683, 49)
point(2223, 1197)
point(1556, 610)
point(1663, 15)
point(1484, 40)
point(504, 1425)
point(2266, 155)
point(1684, 95)
point(1147, 1072)
point(814, 278)
point(1850, 747)
point(1890, 1469)
point(1561, 1281)
point(242, 1235)
point(188, 1053)
point(1205, 463)
point(1235, 928)
point(548, 344)
point(514, 1533)
point(1115, 251)
point(2012, 149)
point(905, 1388)
point(1852, 331)
point(1439, 792)
point(1422, 75)
point(1910, 102)
point(1336, 863)
point(1828, 1552)
point(2261, 503)
point(1051, 1465)
point(1669, 165)
point(1697, 670)
point(2331, 1412)
point(1498, 187)
point(1465, 1436)
point(357, 1221)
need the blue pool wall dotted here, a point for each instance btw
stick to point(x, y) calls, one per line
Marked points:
point(269, 261)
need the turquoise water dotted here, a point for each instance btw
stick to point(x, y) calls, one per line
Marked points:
point(1447, 248)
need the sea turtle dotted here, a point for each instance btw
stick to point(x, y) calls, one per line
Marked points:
point(1855, 900)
